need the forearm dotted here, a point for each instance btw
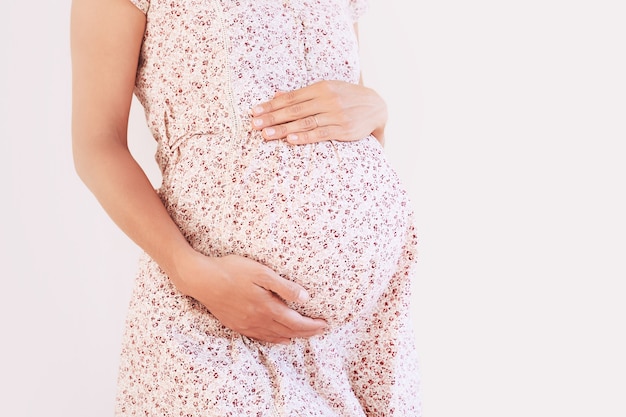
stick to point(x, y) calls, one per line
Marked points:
point(122, 188)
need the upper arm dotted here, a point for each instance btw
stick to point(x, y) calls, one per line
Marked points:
point(105, 38)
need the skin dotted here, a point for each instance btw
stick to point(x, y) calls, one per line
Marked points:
point(244, 295)
point(325, 110)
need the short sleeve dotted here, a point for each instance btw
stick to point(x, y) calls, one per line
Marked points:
point(357, 8)
point(142, 5)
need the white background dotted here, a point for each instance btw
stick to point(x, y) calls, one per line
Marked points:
point(507, 124)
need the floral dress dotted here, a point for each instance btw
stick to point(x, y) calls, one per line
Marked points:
point(332, 216)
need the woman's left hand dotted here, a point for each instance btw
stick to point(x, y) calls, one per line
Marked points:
point(326, 110)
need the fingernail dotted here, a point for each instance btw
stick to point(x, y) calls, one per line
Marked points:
point(257, 110)
point(303, 296)
point(270, 131)
point(257, 122)
point(292, 137)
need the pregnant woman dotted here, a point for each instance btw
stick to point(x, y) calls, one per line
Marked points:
point(280, 247)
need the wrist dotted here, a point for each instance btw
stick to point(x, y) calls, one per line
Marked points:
point(180, 265)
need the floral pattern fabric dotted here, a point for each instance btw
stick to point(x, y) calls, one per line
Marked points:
point(332, 216)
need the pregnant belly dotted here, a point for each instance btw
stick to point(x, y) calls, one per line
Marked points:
point(332, 217)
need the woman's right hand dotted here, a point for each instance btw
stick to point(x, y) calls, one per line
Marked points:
point(248, 297)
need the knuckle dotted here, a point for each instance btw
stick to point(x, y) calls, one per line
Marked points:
point(350, 127)
point(281, 130)
point(269, 106)
point(345, 119)
point(323, 133)
point(295, 109)
point(270, 119)
point(326, 85)
point(300, 328)
point(289, 97)
point(284, 292)
point(309, 123)
point(336, 101)
point(263, 278)
point(275, 310)
point(293, 290)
